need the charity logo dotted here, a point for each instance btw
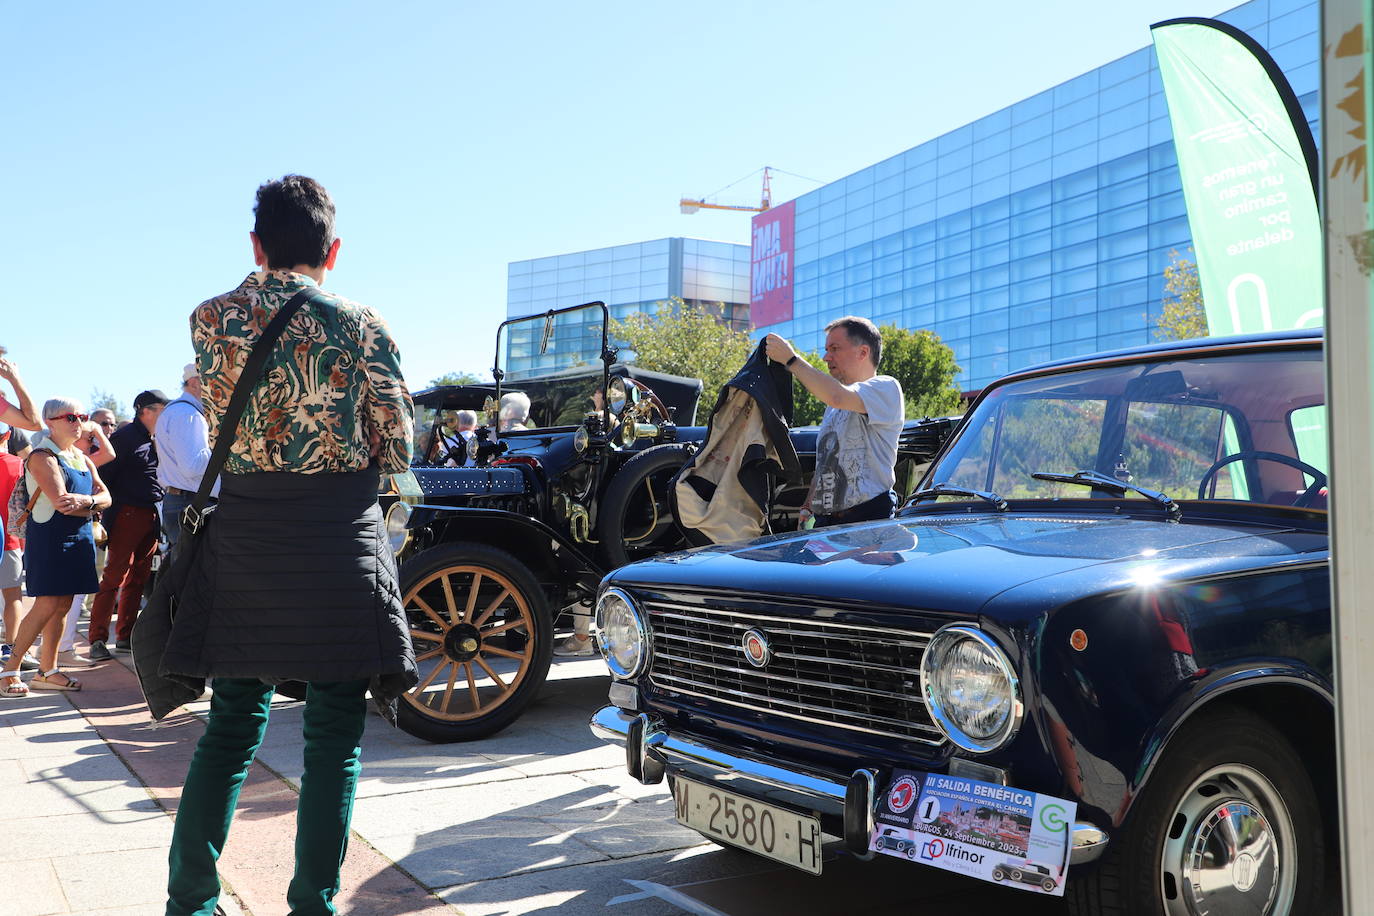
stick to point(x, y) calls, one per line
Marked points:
point(1052, 818)
point(902, 795)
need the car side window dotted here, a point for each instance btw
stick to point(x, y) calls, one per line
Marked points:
point(1308, 428)
point(1169, 447)
point(1033, 434)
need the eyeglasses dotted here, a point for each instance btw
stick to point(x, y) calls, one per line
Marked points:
point(72, 417)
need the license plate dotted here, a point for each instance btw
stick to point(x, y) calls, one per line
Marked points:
point(774, 833)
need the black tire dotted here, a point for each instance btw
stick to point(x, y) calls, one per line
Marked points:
point(626, 511)
point(1228, 759)
point(1047, 885)
point(1016, 874)
point(998, 873)
point(483, 656)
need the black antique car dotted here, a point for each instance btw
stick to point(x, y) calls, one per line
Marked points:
point(1111, 593)
point(493, 552)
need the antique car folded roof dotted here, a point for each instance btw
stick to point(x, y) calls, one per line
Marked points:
point(675, 391)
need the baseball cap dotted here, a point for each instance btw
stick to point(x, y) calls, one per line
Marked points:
point(149, 398)
point(189, 372)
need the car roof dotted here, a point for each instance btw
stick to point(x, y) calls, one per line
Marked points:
point(1179, 346)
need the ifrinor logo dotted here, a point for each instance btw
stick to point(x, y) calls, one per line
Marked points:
point(902, 795)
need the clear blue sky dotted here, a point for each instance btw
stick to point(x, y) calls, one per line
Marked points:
point(454, 137)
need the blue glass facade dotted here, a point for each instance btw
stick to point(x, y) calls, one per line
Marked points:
point(629, 278)
point(1040, 231)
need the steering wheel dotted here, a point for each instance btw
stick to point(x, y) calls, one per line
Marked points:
point(1318, 478)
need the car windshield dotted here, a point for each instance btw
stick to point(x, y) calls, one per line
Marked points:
point(1222, 426)
point(555, 362)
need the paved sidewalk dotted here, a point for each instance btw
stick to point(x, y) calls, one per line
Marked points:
point(87, 783)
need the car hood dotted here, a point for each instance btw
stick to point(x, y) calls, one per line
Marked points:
point(959, 563)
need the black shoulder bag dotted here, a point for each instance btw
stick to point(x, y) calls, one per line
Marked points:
point(165, 692)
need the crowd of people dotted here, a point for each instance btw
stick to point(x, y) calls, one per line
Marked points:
point(87, 504)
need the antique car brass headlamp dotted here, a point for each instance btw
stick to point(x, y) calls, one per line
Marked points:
point(623, 635)
point(970, 688)
point(397, 520)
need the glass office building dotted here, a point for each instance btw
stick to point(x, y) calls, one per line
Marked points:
point(628, 278)
point(1040, 231)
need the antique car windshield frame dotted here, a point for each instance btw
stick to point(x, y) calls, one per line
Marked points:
point(607, 357)
point(1113, 427)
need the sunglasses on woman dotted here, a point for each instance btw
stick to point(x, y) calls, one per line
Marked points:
point(72, 417)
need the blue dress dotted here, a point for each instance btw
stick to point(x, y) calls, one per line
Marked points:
point(59, 554)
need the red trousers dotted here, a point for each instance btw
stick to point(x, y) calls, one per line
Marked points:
point(128, 561)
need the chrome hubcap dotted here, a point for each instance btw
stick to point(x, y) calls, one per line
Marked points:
point(1230, 848)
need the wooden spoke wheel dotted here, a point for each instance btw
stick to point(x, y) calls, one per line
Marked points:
point(483, 637)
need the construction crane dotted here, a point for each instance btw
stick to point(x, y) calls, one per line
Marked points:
point(690, 205)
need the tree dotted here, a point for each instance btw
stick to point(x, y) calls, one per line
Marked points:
point(455, 378)
point(1183, 317)
point(103, 400)
point(807, 409)
point(925, 367)
point(918, 360)
point(686, 340)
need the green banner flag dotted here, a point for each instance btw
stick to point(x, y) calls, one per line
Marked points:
point(1248, 167)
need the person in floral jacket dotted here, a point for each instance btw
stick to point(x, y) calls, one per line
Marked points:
point(300, 584)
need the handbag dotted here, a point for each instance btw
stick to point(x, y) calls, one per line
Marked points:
point(164, 692)
point(98, 532)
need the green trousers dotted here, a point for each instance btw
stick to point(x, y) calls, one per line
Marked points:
point(335, 714)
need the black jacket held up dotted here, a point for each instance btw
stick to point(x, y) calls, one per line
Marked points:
point(723, 492)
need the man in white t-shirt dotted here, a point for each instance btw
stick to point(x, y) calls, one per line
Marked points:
point(856, 447)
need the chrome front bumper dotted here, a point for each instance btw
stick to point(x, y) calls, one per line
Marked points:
point(651, 750)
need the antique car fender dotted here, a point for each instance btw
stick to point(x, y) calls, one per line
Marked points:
point(549, 552)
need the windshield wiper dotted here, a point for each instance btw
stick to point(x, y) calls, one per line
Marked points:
point(944, 489)
point(1099, 481)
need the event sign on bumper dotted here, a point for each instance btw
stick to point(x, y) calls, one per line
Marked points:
point(980, 829)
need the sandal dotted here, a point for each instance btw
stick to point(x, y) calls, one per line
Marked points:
point(44, 681)
point(12, 691)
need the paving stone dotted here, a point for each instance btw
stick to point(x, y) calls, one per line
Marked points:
point(434, 809)
point(132, 877)
point(615, 779)
point(110, 831)
point(488, 848)
point(642, 886)
point(626, 828)
point(30, 888)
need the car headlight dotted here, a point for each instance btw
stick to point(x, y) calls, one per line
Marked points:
point(623, 635)
point(397, 520)
point(970, 689)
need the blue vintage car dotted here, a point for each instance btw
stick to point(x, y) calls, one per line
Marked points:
point(1112, 588)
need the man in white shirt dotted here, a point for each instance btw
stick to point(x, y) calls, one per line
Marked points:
point(856, 446)
point(457, 443)
point(183, 451)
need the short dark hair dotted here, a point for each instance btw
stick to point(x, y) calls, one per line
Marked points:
point(861, 332)
point(294, 222)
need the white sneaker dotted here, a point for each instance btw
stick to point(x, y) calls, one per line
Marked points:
point(572, 646)
point(68, 658)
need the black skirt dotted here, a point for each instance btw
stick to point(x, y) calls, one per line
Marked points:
point(294, 580)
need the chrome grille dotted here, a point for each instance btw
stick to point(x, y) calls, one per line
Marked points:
point(857, 677)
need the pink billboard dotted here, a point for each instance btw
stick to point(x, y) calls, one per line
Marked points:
point(770, 283)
